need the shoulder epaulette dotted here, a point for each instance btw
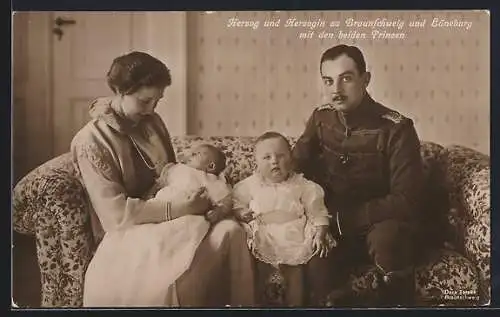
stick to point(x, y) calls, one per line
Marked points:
point(393, 116)
point(325, 107)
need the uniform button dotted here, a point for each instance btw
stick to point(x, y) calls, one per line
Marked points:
point(344, 158)
point(387, 278)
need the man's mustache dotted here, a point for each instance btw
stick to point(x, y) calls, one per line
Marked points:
point(339, 98)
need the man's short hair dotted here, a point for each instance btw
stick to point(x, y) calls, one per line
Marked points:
point(351, 51)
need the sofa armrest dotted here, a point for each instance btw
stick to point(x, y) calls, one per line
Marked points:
point(468, 182)
point(51, 203)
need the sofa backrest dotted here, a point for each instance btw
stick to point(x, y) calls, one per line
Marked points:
point(59, 173)
point(53, 183)
point(241, 162)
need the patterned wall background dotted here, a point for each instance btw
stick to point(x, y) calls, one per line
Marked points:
point(247, 79)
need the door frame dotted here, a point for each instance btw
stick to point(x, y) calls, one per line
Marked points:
point(36, 84)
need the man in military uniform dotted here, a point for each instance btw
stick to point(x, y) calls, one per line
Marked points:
point(367, 158)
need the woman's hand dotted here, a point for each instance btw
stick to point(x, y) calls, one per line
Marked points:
point(215, 215)
point(196, 203)
point(245, 215)
point(322, 241)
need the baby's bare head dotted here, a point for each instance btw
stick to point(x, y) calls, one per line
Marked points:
point(207, 158)
point(273, 157)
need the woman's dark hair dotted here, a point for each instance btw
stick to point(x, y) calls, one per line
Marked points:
point(273, 135)
point(351, 51)
point(129, 72)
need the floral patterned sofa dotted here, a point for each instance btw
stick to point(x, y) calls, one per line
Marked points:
point(49, 203)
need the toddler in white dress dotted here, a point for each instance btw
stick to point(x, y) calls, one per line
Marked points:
point(286, 220)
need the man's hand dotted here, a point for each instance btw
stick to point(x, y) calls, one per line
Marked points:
point(322, 241)
point(245, 215)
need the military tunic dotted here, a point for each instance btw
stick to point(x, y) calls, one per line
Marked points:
point(368, 162)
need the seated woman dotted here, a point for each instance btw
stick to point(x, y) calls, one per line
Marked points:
point(119, 154)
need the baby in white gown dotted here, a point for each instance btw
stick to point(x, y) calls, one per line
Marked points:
point(285, 217)
point(201, 171)
point(162, 252)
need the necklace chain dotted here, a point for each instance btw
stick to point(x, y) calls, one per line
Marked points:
point(140, 153)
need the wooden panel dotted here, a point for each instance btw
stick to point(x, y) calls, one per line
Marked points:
point(77, 115)
point(19, 137)
point(86, 52)
point(19, 51)
point(32, 137)
point(92, 49)
point(38, 90)
point(81, 60)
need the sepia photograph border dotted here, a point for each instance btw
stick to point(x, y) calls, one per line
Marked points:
point(193, 125)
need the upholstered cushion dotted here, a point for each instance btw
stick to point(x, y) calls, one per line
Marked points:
point(445, 278)
point(430, 152)
point(50, 203)
point(467, 181)
point(468, 185)
point(28, 191)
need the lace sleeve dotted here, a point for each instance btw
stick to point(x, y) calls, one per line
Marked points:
point(241, 195)
point(313, 200)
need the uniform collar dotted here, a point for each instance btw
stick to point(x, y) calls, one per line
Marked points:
point(363, 111)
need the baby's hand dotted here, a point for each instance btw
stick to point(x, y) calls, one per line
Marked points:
point(214, 215)
point(323, 241)
point(245, 215)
